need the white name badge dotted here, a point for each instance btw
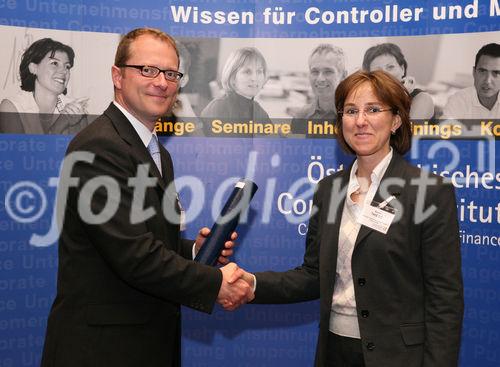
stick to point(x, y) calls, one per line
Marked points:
point(378, 216)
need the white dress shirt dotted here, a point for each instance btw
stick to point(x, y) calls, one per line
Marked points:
point(145, 135)
point(343, 316)
point(465, 104)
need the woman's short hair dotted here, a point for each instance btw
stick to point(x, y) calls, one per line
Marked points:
point(384, 49)
point(390, 92)
point(235, 61)
point(35, 53)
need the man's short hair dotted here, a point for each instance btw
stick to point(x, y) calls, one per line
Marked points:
point(123, 51)
point(491, 49)
point(325, 48)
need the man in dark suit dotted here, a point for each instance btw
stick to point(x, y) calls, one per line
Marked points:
point(124, 271)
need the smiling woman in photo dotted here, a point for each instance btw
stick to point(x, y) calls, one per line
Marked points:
point(42, 106)
point(389, 58)
point(243, 77)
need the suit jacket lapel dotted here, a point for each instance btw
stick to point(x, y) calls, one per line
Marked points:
point(167, 175)
point(129, 135)
point(396, 169)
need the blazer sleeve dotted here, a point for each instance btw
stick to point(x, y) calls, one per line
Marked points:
point(186, 248)
point(299, 284)
point(443, 288)
point(133, 251)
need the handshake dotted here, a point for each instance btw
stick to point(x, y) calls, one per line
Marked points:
point(237, 287)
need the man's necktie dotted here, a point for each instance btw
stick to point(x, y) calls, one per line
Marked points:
point(154, 150)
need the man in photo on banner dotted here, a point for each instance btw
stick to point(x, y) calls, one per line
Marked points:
point(122, 279)
point(326, 70)
point(481, 100)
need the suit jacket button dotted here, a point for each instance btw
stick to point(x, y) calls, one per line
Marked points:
point(365, 313)
point(370, 346)
point(361, 281)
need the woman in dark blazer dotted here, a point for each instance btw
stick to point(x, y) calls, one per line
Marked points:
point(388, 299)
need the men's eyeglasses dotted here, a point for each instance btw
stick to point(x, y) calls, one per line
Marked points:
point(153, 71)
point(370, 111)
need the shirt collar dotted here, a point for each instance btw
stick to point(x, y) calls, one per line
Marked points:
point(376, 175)
point(144, 133)
point(318, 109)
point(318, 112)
point(477, 103)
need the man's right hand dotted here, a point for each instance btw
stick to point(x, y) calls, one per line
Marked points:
point(234, 290)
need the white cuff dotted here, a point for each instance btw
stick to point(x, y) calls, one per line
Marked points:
point(254, 282)
point(194, 250)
